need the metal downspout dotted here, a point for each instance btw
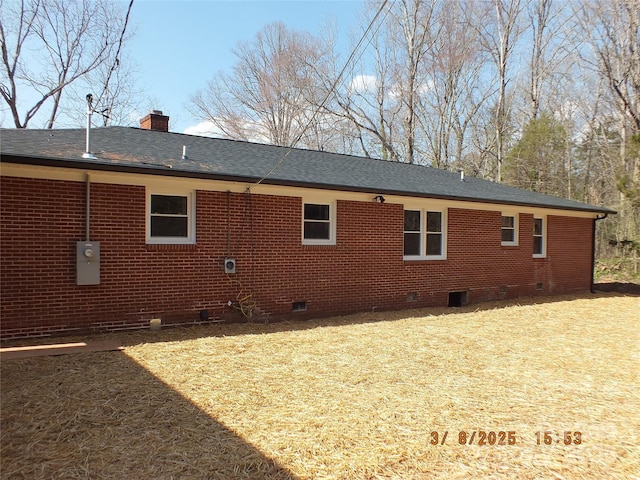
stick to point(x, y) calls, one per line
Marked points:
point(593, 253)
point(87, 219)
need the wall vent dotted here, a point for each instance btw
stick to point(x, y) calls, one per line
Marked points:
point(299, 306)
point(412, 297)
point(458, 299)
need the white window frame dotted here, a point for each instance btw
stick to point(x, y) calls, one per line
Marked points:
point(543, 254)
point(191, 217)
point(516, 229)
point(423, 233)
point(332, 222)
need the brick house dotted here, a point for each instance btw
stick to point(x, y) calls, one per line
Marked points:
point(147, 224)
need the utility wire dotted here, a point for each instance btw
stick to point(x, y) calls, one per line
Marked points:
point(332, 89)
point(116, 61)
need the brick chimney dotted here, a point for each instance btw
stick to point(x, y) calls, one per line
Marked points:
point(155, 121)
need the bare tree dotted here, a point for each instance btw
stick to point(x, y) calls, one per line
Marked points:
point(369, 106)
point(416, 33)
point(540, 13)
point(598, 141)
point(383, 102)
point(268, 95)
point(612, 30)
point(453, 92)
point(499, 34)
point(117, 95)
point(553, 45)
point(66, 40)
point(543, 111)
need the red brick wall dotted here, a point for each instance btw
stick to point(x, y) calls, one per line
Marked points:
point(570, 245)
point(43, 219)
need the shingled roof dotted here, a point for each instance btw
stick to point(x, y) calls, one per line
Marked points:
point(136, 150)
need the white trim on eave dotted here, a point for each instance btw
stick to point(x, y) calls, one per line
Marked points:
point(160, 181)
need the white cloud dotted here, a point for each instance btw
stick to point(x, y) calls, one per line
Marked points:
point(251, 132)
point(426, 88)
point(204, 129)
point(396, 90)
point(363, 83)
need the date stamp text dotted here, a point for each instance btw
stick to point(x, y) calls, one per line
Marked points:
point(504, 437)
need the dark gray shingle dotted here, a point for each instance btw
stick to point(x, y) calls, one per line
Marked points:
point(134, 149)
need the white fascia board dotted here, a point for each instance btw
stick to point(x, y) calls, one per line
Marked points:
point(161, 181)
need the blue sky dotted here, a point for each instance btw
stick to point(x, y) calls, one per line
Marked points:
point(179, 45)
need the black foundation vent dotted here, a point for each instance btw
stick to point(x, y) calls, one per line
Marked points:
point(458, 299)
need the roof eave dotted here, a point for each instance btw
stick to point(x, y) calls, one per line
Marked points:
point(167, 171)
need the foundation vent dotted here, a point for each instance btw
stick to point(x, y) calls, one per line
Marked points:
point(299, 306)
point(458, 299)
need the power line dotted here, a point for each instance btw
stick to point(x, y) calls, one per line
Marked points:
point(116, 61)
point(332, 89)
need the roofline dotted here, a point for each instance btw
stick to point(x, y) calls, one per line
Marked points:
point(169, 172)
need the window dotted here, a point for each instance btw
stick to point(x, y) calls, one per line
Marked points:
point(509, 230)
point(412, 232)
point(539, 244)
point(434, 233)
point(170, 218)
point(318, 224)
point(424, 235)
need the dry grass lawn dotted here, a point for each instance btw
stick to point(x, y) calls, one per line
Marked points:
point(345, 398)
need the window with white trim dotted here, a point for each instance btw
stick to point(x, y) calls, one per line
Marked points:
point(509, 230)
point(318, 223)
point(539, 238)
point(424, 235)
point(434, 234)
point(170, 218)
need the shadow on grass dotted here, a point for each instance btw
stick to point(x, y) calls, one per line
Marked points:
point(101, 415)
point(626, 288)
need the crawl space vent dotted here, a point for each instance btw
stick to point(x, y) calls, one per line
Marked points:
point(299, 306)
point(458, 299)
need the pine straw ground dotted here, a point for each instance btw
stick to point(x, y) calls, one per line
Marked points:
point(347, 398)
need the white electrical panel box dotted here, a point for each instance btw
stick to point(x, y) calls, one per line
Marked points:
point(87, 263)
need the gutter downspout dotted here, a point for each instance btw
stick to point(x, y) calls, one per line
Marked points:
point(88, 211)
point(593, 253)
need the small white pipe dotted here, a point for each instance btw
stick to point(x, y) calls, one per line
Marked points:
point(87, 153)
point(88, 149)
